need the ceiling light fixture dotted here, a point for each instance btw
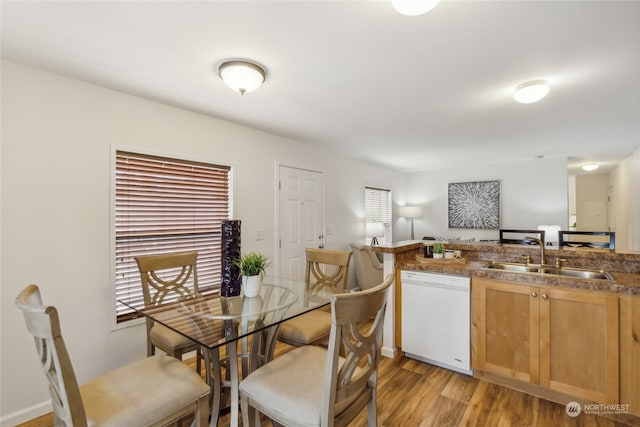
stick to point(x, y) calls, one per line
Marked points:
point(414, 7)
point(590, 167)
point(532, 91)
point(241, 76)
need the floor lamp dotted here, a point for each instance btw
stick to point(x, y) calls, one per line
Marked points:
point(410, 212)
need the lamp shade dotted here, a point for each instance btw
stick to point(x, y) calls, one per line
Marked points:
point(550, 233)
point(241, 76)
point(410, 211)
point(373, 229)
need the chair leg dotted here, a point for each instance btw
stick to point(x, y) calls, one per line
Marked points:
point(199, 361)
point(201, 417)
point(372, 411)
point(247, 419)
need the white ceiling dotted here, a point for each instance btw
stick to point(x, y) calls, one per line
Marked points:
point(410, 93)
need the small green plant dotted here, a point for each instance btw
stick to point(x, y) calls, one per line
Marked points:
point(438, 248)
point(251, 264)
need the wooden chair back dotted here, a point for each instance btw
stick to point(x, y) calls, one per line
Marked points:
point(167, 277)
point(519, 237)
point(44, 324)
point(369, 269)
point(587, 239)
point(353, 354)
point(327, 267)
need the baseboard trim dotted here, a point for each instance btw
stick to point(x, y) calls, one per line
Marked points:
point(26, 414)
point(390, 352)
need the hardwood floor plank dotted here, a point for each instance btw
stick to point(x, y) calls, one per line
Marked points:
point(445, 412)
point(416, 394)
point(460, 388)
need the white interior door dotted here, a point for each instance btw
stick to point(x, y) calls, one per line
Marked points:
point(300, 209)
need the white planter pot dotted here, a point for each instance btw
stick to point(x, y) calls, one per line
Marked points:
point(251, 285)
point(251, 307)
point(435, 255)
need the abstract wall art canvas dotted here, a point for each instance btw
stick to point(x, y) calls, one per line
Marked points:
point(474, 205)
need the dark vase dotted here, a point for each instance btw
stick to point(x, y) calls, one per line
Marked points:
point(231, 280)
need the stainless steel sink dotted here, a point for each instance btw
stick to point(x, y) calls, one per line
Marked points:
point(578, 272)
point(548, 269)
point(514, 266)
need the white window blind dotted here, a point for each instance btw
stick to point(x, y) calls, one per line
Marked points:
point(377, 205)
point(166, 205)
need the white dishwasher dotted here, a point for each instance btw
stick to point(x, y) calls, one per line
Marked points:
point(436, 325)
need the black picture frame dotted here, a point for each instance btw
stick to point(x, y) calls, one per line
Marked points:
point(474, 205)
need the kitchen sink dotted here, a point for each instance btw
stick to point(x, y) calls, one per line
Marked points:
point(548, 269)
point(578, 272)
point(513, 266)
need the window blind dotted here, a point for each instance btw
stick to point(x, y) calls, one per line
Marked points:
point(377, 205)
point(167, 205)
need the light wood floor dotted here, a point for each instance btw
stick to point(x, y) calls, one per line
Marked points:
point(415, 394)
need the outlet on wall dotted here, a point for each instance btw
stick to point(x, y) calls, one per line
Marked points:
point(260, 234)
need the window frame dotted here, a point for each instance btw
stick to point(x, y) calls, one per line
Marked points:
point(133, 320)
point(385, 217)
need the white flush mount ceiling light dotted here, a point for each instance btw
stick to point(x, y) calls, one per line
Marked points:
point(590, 167)
point(532, 91)
point(414, 7)
point(241, 76)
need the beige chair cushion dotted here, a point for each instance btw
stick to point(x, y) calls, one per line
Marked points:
point(164, 337)
point(311, 327)
point(120, 398)
point(292, 384)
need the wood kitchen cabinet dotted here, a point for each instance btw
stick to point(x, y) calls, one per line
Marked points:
point(565, 340)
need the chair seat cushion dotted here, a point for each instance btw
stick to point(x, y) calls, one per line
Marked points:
point(165, 338)
point(311, 327)
point(290, 385)
point(141, 393)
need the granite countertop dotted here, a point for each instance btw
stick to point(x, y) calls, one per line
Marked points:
point(624, 267)
point(625, 283)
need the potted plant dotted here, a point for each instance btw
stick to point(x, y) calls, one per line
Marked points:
point(252, 267)
point(438, 250)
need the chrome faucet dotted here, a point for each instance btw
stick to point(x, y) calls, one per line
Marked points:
point(539, 242)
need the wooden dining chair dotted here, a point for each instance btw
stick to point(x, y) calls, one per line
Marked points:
point(325, 267)
point(367, 265)
point(154, 391)
point(519, 237)
point(317, 386)
point(587, 239)
point(166, 278)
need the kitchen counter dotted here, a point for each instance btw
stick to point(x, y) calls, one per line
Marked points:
point(624, 267)
point(625, 283)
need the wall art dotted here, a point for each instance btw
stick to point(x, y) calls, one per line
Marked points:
point(474, 205)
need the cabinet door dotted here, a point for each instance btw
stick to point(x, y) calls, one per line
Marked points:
point(506, 329)
point(579, 344)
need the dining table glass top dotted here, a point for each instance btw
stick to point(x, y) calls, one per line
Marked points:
point(213, 320)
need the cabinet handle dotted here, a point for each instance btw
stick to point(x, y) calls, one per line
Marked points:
point(545, 296)
point(533, 294)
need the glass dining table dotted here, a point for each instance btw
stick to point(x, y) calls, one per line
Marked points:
point(247, 328)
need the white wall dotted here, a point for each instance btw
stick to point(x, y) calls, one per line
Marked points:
point(532, 193)
point(57, 139)
point(591, 202)
point(625, 221)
